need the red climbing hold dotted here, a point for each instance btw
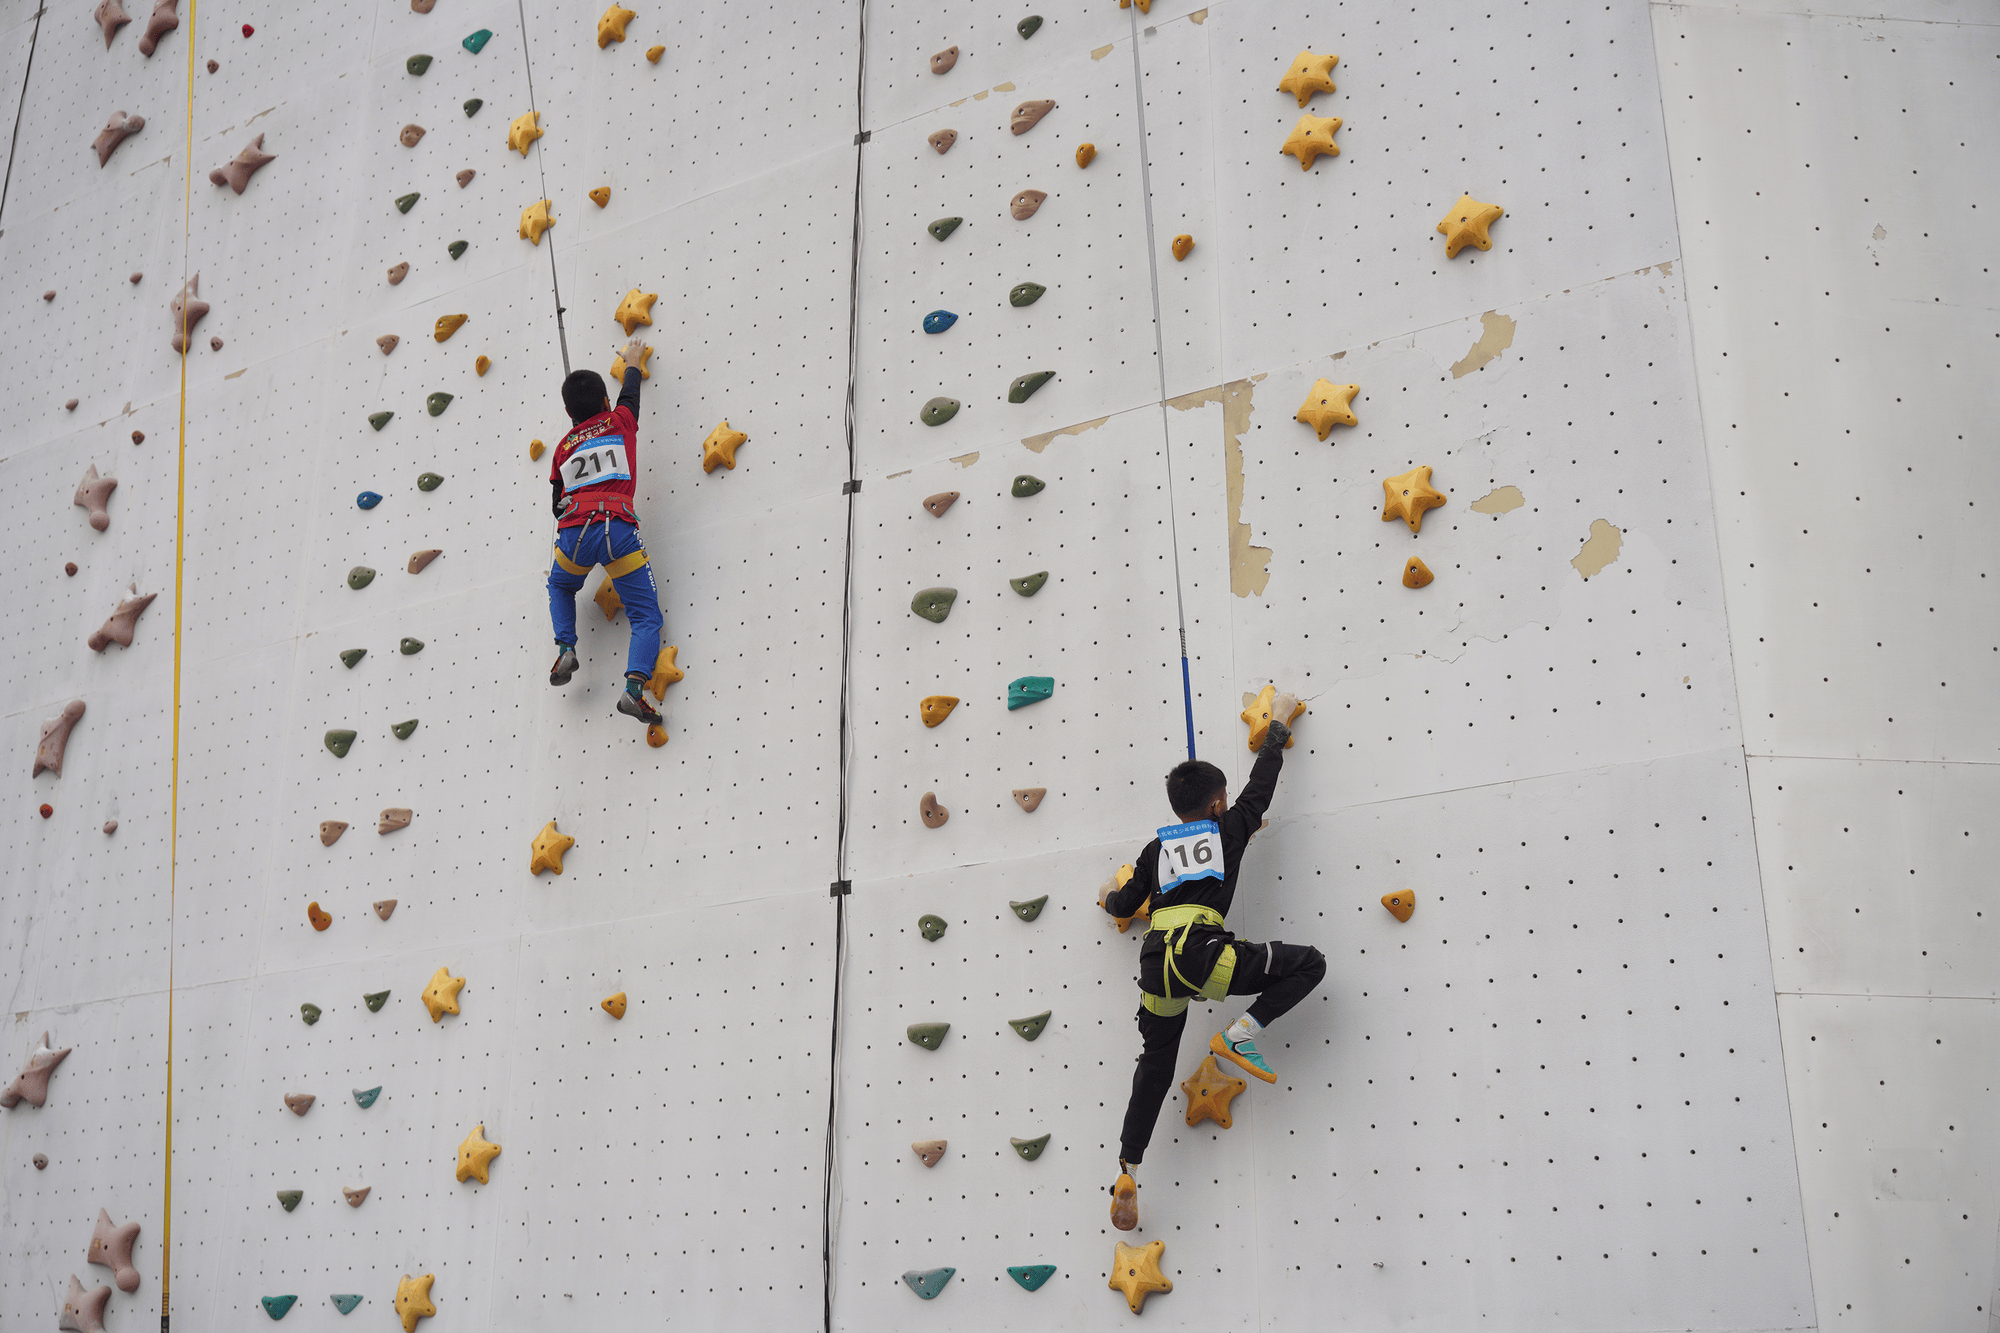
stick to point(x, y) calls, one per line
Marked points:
point(48, 810)
point(247, 30)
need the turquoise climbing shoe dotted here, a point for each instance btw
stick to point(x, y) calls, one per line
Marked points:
point(1243, 1053)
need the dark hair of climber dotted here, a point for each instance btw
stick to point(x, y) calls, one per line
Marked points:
point(1195, 788)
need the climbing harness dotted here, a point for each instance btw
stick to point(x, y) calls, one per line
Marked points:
point(1173, 924)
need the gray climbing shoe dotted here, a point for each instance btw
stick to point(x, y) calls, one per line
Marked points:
point(564, 668)
point(633, 704)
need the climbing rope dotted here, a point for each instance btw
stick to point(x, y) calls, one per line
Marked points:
point(555, 286)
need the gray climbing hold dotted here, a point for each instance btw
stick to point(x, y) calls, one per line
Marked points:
point(403, 729)
point(417, 64)
point(1028, 27)
point(1023, 388)
point(457, 248)
point(360, 577)
point(1030, 909)
point(1030, 1149)
point(933, 927)
point(278, 1306)
point(346, 1303)
point(928, 1282)
point(437, 403)
point(930, 1036)
point(338, 742)
point(1029, 690)
point(1029, 584)
point(944, 227)
point(475, 42)
point(939, 410)
point(375, 999)
point(1025, 486)
point(289, 1199)
point(1025, 293)
point(365, 1097)
point(1031, 1276)
point(353, 655)
point(309, 1012)
point(379, 419)
point(1030, 1028)
point(411, 647)
point(429, 481)
point(405, 202)
point(472, 106)
point(934, 604)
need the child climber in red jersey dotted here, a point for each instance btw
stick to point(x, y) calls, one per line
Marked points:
point(1189, 872)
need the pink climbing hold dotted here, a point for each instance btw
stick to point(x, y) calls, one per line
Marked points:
point(215, 344)
point(298, 1103)
point(123, 622)
point(111, 1247)
point(92, 493)
point(83, 1311)
point(32, 1085)
point(188, 309)
point(212, 67)
point(55, 739)
point(110, 827)
point(165, 19)
point(110, 16)
point(114, 133)
point(70, 406)
point(236, 172)
point(49, 295)
point(135, 279)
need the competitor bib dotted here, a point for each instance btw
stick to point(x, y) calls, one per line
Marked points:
point(603, 460)
point(1188, 852)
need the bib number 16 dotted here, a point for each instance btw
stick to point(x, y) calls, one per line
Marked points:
point(1189, 852)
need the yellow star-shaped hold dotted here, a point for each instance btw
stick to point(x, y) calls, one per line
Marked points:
point(441, 996)
point(1136, 1272)
point(608, 601)
point(1209, 1093)
point(1466, 224)
point(611, 28)
point(1260, 713)
point(535, 220)
point(1312, 137)
point(413, 1300)
point(549, 847)
point(645, 365)
point(524, 131)
point(635, 309)
point(665, 672)
point(1408, 496)
point(719, 449)
point(1309, 74)
point(1328, 405)
point(474, 1154)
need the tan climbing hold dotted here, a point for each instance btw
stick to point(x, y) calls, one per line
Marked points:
point(110, 827)
point(330, 831)
point(935, 708)
point(636, 309)
point(83, 1311)
point(1312, 138)
point(934, 815)
point(535, 448)
point(122, 625)
point(607, 598)
point(1407, 497)
point(317, 916)
point(92, 494)
point(1183, 246)
point(448, 325)
point(940, 502)
point(1086, 154)
point(1024, 204)
point(535, 220)
point(942, 140)
point(398, 272)
point(1309, 74)
point(115, 132)
point(441, 996)
point(719, 449)
point(385, 907)
point(613, 1004)
point(1028, 798)
point(645, 365)
point(298, 1103)
point(411, 135)
point(387, 342)
point(653, 53)
point(464, 177)
point(1400, 905)
point(413, 1294)
point(187, 308)
point(355, 1197)
point(395, 817)
point(1465, 223)
point(31, 1085)
point(1328, 405)
point(602, 196)
point(1209, 1092)
point(548, 849)
point(1135, 1270)
point(1029, 114)
point(110, 16)
point(1416, 574)
point(525, 129)
point(1269, 704)
point(475, 1155)
point(481, 365)
point(666, 671)
point(929, 1151)
point(111, 1247)
point(55, 739)
point(611, 27)
point(941, 63)
point(237, 171)
point(419, 559)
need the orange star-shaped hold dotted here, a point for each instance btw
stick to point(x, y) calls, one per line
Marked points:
point(1136, 1272)
point(1122, 877)
point(1311, 138)
point(611, 28)
point(1209, 1092)
point(549, 848)
point(525, 130)
point(1309, 74)
point(535, 220)
point(1408, 496)
point(1466, 224)
point(413, 1300)
point(719, 449)
point(474, 1154)
point(645, 363)
point(665, 672)
point(1269, 703)
point(441, 996)
point(635, 309)
point(1327, 406)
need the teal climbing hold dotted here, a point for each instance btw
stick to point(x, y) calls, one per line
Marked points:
point(1030, 1149)
point(429, 481)
point(933, 927)
point(379, 419)
point(1025, 486)
point(365, 1097)
point(930, 1036)
point(353, 655)
point(403, 729)
point(929, 1282)
point(277, 1306)
point(437, 403)
point(1025, 293)
point(934, 604)
point(374, 1000)
point(405, 202)
point(939, 410)
point(1029, 584)
point(1023, 388)
point(289, 1199)
point(944, 227)
point(338, 742)
point(360, 577)
point(1028, 27)
point(472, 106)
point(1031, 1027)
point(309, 1012)
point(1029, 690)
point(1030, 909)
point(477, 41)
point(411, 647)
point(1031, 1276)
point(345, 1304)
point(456, 248)
point(417, 64)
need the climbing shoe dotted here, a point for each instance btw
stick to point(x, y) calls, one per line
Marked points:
point(633, 704)
point(565, 666)
point(1125, 1202)
point(1243, 1052)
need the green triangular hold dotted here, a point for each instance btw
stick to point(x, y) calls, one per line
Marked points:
point(309, 1012)
point(1030, 909)
point(429, 481)
point(405, 202)
point(944, 227)
point(928, 1282)
point(374, 1000)
point(933, 927)
point(1031, 1276)
point(1025, 293)
point(1029, 690)
point(934, 604)
point(1028, 27)
point(403, 729)
point(1025, 486)
point(1030, 1028)
point(277, 1306)
point(360, 577)
point(437, 403)
point(472, 106)
point(939, 410)
point(1022, 389)
point(338, 742)
point(353, 655)
point(289, 1199)
point(346, 1304)
point(411, 647)
point(379, 419)
point(417, 64)
point(476, 42)
point(930, 1036)
point(365, 1097)
point(1030, 1149)
point(457, 248)
point(1030, 584)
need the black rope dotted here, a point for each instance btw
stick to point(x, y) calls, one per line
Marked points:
point(14, 142)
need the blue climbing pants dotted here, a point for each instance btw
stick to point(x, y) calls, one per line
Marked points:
point(614, 544)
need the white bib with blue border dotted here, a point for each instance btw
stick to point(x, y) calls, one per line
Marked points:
point(603, 459)
point(1188, 852)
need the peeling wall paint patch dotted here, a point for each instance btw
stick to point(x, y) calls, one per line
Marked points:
point(1037, 443)
point(1497, 338)
point(1100, 53)
point(1501, 500)
point(1249, 566)
point(1199, 17)
point(966, 460)
point(1600, 550)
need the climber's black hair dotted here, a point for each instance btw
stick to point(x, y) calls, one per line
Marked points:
point(1192, 785)
point(584, 395)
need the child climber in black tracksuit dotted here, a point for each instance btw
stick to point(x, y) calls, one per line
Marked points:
point(1189, 872)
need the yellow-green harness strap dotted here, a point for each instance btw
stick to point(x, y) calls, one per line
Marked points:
point(1175, 922)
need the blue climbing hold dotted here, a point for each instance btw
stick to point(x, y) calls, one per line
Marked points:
point(366, 1096)
point(930, 1282)
point(368, 499)
point(477, 40)
point(938, 321)
point(276, 1306)
point(1031, 1276)
point(1029, 690)
point(346, 1303)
